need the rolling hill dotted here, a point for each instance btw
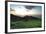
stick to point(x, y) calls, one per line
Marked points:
point(25, 22)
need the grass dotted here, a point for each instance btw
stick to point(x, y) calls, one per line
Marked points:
point(25, 23)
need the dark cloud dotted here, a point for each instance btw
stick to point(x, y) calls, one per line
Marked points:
point(29, 7)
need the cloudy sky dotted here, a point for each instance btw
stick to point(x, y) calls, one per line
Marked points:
point(22, 10)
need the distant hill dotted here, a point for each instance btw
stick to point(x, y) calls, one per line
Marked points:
point(16, 18)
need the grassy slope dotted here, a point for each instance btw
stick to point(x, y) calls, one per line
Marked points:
point(26, 23)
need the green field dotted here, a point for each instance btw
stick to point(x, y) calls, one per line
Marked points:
point(25, 23)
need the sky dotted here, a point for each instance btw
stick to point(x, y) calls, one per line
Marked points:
point(23, 10)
